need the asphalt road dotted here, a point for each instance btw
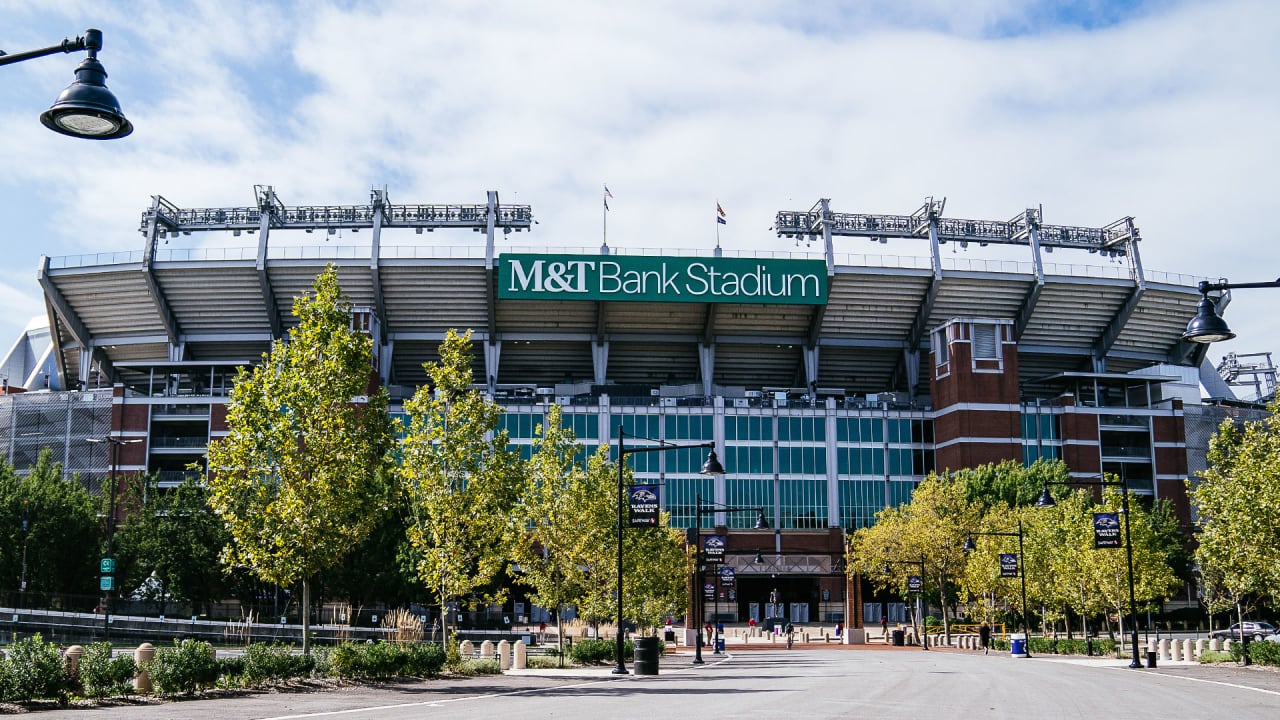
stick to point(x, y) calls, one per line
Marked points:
point(812, 684)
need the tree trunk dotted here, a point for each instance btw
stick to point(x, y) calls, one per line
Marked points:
point(306, 617)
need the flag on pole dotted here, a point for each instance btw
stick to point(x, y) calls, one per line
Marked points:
point(720, 218)
point(606, 197)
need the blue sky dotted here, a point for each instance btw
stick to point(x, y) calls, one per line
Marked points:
point(1166, 111)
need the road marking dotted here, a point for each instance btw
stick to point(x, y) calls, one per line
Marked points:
point(432, 703)
point(1219, 682)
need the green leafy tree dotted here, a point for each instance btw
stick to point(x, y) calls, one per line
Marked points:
point(461, 479)
point(1010, 483)
point(551, 539)
point(64, 531)
point(300, 477)
point(1238, 504)
point(170, 546)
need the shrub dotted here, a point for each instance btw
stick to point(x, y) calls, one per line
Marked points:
point(264, 662)
point(34, 669)
point(1072, 646)
point(103, 675)
point(1214, 656)
point(422, 660)
point(1264, 653)
point(183, 668)
point(485, 666)
point(593, 651)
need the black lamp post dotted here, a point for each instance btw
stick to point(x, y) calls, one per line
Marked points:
point(924, 628)
point(969, 546)
point(1208, 326)
point(22, 589)
point(111, 520)
point(761, 524)
point(1046, 500)
point(712, 466)
point(86, 109)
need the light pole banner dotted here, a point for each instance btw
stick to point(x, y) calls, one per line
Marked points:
point(713, 548)
point(914, 583)
point(645, 278)
point(1008, 565)
point(643, 502)
point(1106, 530)
point(727, 576)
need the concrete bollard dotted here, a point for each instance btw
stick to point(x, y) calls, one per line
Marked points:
point(466, 649)
point(504, 655)
point(1163, 649)
point(1201, 646)
point(145, 653)
point(519, 656)
point(1215, 645)
point(1188, 650)
point(71, 660)
point(1226, 645)
point(1175, 650)
point(486, 649)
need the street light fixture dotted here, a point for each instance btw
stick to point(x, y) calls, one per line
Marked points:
point(762, 523)
point(86, 109)
point(970, 546)
point(115, 443)
point(1208, 326)
point(924, 628)
point(1046, 500)
point(712, 466)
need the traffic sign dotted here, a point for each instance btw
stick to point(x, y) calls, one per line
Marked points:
point(106, 566)
point(107, 582)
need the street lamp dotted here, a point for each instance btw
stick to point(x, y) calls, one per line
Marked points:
point(924, 628)
point(1046, 500)
point(712, 466)
point(86, 109)
point(1208, 326)
point(970, 546)
point(22, 589)
point(111, 519)
point(761, 524)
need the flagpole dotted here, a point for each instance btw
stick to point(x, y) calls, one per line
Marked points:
point(604, 222)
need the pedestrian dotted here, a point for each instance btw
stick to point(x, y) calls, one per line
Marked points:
point(984, 637)
point(884, 626)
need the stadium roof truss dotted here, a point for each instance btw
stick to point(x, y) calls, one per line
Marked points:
point(220, 303)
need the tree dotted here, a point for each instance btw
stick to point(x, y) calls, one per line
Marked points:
point(551, 533)
point(1238, 504)
point(461, 479)
point(175, 539)
point(64, 532)
point(300, 477)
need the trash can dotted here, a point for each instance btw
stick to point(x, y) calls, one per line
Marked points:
point(670, 636)
point(719, 645)
point(899, 638)
point(646, 660)
point(1018, 645)
point(1151, 658)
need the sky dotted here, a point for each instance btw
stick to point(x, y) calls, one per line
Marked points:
point(1166, 111)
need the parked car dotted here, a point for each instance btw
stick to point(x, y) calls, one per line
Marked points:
point(1254, 631)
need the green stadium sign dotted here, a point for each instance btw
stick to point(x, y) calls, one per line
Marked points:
point(643, 278)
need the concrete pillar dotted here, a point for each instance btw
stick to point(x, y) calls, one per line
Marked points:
point(1175, 650)
point(145, 653)
point(1215, 645)
point(1201, 646)
point(1162, 651)
point(486, 649)
point(466, 649)
point(1188, 650)
point(520, 656)
point(504, 655)
point(71, 659)
point(1226, 645)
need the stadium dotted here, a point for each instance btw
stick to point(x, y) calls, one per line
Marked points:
point(830, 380)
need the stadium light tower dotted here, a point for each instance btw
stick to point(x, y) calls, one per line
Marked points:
point(86, 109)
point(1208, 326)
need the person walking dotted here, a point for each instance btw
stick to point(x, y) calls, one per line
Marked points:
point(884, 627)
point(984, 637)
point(791, 634)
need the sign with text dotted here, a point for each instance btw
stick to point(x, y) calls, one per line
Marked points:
point(713, 548)
point(727, 576)
point(644, 278)
point(915, 583)
point(1008, 565)
point(1106, 530)
point(709, 590)
point(643, 501)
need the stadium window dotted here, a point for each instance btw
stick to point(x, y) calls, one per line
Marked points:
point(985, 346)
point(941, 351)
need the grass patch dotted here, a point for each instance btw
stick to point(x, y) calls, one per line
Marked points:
point(1209, 657)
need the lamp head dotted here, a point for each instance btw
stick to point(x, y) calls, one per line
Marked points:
point(1045, 500)
point(887, 569)
point(712, 466)
point(761, 522)
point(969, 545)
point(87, 109)
point(759, 559)
point(1207, 326)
